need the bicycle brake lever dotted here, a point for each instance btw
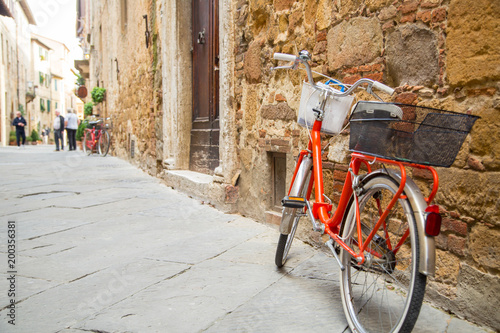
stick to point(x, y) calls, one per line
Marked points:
point(371, 92)
point(283, 67)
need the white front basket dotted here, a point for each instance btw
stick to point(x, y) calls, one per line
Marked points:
point(336, 108)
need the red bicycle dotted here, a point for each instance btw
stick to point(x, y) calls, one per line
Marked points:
point(96, 139)
point(383, 228)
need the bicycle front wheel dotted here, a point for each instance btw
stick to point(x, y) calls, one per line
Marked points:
point(104, 143)
point(88, 143)
point(385, 293)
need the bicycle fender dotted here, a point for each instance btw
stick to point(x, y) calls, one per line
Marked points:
point(427, 265)
point(298, 185)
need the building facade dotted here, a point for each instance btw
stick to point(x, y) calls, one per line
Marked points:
point(55, 80)
point(194, 101)
point(15, 88)
point(41, 111)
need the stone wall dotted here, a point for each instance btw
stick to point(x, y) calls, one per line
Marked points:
point(438, 53)
point(131, 73)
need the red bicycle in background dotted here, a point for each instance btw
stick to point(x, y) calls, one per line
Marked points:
point(96, 139)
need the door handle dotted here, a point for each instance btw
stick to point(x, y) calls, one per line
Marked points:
point(201, 37)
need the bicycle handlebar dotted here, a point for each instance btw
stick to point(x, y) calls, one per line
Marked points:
point(285, 57)
point(304, 58)
point(383, 87)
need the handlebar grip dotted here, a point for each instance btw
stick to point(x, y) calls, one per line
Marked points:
point(383, 87)
point(285, 57)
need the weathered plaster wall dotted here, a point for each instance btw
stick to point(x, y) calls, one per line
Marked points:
point(177, 74)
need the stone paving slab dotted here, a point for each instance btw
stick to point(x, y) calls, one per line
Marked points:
point(103, 247)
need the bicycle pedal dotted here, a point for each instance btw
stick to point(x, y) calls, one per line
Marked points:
point(293, 202)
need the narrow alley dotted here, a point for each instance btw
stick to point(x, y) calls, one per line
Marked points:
point(103, 247)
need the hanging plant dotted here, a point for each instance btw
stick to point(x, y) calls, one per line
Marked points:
point(98, 94)
point(80, 81)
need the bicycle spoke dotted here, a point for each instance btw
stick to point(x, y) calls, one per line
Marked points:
point(377, 293)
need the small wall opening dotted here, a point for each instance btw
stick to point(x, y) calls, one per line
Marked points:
point(278, 174)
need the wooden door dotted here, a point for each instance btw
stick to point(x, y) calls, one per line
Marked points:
point(204, 155)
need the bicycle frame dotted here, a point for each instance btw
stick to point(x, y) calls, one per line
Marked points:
point(95, 137)
point(321, 209)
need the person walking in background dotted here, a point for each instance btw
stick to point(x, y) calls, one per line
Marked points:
point(20, 123)
point(72, 123)
point(59, 130)
point(45, 136)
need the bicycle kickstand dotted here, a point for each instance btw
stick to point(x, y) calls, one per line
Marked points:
point(330, 246)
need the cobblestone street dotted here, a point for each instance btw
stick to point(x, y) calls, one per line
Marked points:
point(103, 247)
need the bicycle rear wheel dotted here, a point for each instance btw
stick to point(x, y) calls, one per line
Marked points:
point(293, 215)
point(87, 143)
point(385, 293)
point(104, 143)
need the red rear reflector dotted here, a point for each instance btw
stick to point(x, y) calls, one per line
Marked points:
point(432, 221)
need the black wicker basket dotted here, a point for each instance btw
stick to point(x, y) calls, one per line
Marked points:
point(408, 133)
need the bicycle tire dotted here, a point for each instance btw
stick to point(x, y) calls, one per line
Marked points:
point(384, 295)
point(87, 143)
point(285, 241)
point(104, 143)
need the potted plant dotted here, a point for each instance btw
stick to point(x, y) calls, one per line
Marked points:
point(80, 81)
point(34, 137)
point(80, 132)
point(12, 138)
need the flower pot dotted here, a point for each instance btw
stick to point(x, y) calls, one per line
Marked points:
point(80, 145)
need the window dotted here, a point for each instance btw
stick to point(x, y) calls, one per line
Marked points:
point(56, 106)
point(42, 104)
point(41, 76)
point(48, 105)
point(55, 85)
